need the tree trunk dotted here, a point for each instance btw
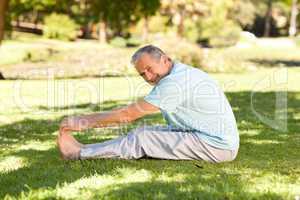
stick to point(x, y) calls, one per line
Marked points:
point(35, 18)
point(87, 28)
point(268, 19)
point(102, 35)
point(180, 29)
point(1, 76)
point(3, 8)
point(146, 28)
point(293, 21)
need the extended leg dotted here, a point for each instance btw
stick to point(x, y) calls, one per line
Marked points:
point(156, 142)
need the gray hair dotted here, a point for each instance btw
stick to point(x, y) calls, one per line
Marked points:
point(153, 51)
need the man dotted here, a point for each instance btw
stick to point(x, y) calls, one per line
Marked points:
point(201, 124)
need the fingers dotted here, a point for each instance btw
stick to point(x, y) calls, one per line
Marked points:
point(74, 124)
point(67, 125)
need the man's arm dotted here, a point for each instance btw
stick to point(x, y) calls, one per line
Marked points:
point(121, 115)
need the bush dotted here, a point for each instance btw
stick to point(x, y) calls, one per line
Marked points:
point(134, 41)
point(118, 42)
point(191, 31)
point(217, 29)
point(182, 50)
point(60, 26)
point(156, 24)
point(227, 36)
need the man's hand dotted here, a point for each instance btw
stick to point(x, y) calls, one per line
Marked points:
point(75, 123)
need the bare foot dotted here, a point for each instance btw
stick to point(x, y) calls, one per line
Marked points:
point(69, 147)
point(75, 142)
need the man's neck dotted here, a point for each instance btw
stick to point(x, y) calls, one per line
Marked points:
point(170, 66)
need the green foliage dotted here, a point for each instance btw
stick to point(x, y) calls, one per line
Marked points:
point(60, 26)
point(156, 24)
point(243, 12)
point(191, 31)
point(31, 7)
point(147, 8)
point(217, 29)
point(225, 35)
point(117, 14)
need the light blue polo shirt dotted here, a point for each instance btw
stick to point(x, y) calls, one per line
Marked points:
point(190, 100)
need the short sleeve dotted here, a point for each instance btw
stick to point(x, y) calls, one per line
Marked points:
point(167, 95)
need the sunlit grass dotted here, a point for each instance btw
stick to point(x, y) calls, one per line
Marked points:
point(267, 166)
point(11, 163)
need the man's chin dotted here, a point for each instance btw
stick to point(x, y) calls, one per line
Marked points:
point(152, 83)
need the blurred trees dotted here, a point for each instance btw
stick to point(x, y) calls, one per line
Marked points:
point(146, 9)
point(114, 17)
point(218, 27)
point(181, 10)
point(65, 32)
point(197, 20)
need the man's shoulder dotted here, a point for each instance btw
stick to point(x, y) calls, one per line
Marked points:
point(190, 72)
point(183, 73)
point(182, 67)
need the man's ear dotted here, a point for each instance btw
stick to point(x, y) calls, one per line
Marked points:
point(165, 59)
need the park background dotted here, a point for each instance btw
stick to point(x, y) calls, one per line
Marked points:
point(60, 58)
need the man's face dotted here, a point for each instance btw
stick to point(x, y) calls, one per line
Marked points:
point(152, 70)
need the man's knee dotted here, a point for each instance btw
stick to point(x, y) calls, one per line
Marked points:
point(231, 157)
point(142, 130)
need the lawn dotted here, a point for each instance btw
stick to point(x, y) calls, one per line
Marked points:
point(265, 99)
point(267, 166)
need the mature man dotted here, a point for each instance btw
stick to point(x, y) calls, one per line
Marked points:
point(201, 124)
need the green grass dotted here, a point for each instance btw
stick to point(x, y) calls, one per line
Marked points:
point(29, 56)
point(267, 166)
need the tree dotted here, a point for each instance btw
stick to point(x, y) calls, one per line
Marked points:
point(146, 9)
point(243, 12)
point(3, 9)
point(293, 20)
point(268, 19)
point(116, 15)
point(179, 10)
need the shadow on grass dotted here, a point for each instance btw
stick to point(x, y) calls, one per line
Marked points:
point(276, 63)
point(262, 149)
point(107, 105)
